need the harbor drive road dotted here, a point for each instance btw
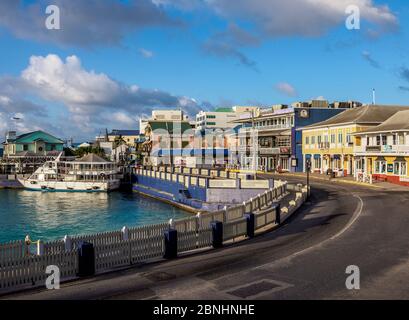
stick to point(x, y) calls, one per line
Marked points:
point(306, 258)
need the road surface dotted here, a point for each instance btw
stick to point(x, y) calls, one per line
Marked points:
point(306, 258)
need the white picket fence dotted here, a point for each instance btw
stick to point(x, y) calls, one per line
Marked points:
point(31, 269)
point(115, 249)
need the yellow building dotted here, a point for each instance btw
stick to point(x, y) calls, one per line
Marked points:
point(130, 137)
point(329, 145)
point(384, 151)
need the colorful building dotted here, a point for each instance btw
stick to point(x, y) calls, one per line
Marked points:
point(329, 144)
point(278, 145)
point(37, 143)
point(382, 152)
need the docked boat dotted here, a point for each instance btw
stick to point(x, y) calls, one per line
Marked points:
point(90, 173)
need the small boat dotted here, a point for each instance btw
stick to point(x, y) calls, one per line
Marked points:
point(90, 173)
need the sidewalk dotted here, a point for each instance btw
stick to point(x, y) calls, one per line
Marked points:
point(346, 180)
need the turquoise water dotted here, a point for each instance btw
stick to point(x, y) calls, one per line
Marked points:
point(51, 215)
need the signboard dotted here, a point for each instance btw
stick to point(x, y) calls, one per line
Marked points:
point(284, 150)
point(390, 167)
point(294, 162)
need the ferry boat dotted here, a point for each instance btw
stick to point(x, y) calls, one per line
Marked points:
point(90, 173)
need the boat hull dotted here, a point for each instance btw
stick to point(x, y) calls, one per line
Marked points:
point(61, 186)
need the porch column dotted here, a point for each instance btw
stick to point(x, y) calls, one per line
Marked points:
point(322, 163)
point(304, 164)
point(342, 164)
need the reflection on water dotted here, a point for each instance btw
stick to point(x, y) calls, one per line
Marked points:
point(51, 215)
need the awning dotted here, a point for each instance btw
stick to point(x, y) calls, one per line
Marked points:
point(380, 159)
point(337, 157)
point(317, 156)
point(400, 159)
point(307, 156)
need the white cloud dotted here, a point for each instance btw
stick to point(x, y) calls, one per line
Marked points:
point(301, 17)
point(286, 88)
point(145, 53)
point(82, 101)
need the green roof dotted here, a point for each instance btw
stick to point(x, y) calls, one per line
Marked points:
point(168, 125)
point(37, 135)
point(223, 110)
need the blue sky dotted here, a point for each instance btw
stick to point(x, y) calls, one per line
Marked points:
point(129, 57)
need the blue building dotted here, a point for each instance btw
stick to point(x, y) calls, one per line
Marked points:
point(279, 146)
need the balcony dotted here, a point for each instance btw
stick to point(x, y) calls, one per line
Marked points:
point(385, 149)
point(271, 127)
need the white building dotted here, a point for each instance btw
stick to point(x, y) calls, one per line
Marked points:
point(222, 118)
point(163, 115)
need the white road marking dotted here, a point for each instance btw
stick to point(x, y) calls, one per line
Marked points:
point(356, 215)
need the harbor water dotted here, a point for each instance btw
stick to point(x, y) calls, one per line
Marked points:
point(52, 215)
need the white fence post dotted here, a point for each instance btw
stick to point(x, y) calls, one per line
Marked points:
point(125, 233)
point(198, 221)
point(68, 243)
point(40, 248)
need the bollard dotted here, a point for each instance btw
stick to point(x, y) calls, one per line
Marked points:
point(250, 217)
point(278, 214)
point(171, 244)
point(217, 234)
point(86, 259)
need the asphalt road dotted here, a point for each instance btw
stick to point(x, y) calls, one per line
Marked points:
point(306, 258)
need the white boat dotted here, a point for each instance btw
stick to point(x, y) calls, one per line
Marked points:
point(90, 173)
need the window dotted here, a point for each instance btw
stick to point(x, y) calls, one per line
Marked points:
point(307, 140)
point(340, 138)
point(25, 147)
point(211, 116)
point(313, 140)
point(319, 138)
point(367, 141)
point(380, 167)
point(349, 139)
point(211, 123)
point(399, 168)
point(394, 140)
point(332, 138)
point(378, 140)
point(384, 140)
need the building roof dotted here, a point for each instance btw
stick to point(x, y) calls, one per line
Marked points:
point(35, 136)
point(368, 114)
point(399, 121)
point(116, 132)
point(223, 110)
point(169, 125)
point(92, 158)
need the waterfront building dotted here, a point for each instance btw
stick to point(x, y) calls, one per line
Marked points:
point(129, 137)
point(26, 152)
point(221, 118)
point(329, 144)
point(269, 139)
point(382, 152)
point(165, 141)
point(163, 116)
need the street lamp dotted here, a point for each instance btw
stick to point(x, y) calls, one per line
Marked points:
point(308, 168)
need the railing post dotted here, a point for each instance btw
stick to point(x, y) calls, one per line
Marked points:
point(40, 248)
point(27, 244)
point(217, 234)
point(250, 217)
point(278, 213)
point(67, 243)
point(125, 233)
point(198, 221)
